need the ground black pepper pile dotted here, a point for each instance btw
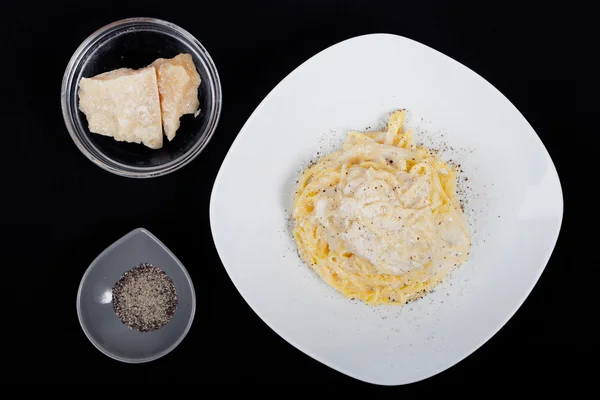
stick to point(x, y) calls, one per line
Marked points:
point(144, 298)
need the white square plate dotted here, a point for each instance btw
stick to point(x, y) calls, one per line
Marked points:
point(513, 204)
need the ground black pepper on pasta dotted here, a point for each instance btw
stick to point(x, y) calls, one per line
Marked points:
point(144, 298)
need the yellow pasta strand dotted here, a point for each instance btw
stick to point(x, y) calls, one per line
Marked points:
point(348, 273)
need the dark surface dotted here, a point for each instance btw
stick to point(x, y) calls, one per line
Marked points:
point(61, 210)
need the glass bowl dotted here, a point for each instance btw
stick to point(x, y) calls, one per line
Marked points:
point(135, 43)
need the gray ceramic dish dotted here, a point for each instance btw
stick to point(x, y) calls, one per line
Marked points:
point(94, 300)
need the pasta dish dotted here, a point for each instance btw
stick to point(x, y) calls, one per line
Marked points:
point(379, 219)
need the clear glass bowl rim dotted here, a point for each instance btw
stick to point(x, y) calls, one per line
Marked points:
point(91, 151)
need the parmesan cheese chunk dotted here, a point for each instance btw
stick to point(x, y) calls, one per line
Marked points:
point(178, 83)
point(123, 104)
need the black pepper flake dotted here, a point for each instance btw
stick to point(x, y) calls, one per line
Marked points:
point(144, 298)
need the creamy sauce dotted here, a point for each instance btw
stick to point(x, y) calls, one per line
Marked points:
point(386, 218)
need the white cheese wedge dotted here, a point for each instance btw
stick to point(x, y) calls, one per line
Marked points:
point(123, 104)
point(178, 83)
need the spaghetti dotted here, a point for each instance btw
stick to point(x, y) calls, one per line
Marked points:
point(379, 220)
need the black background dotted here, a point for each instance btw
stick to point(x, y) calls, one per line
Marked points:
point(60, 210)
